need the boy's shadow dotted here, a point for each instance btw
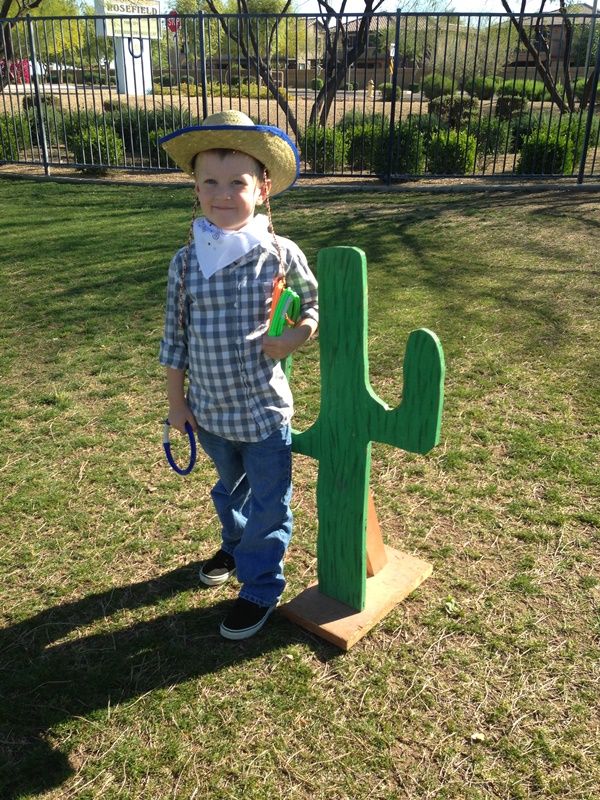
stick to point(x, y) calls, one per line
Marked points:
point(49, 673)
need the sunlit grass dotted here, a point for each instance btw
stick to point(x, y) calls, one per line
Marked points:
point(115, 682)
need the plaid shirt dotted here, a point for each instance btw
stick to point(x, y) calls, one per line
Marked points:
point(235, 390)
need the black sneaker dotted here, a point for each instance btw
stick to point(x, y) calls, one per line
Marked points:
point(217, 569)
point(245, 619)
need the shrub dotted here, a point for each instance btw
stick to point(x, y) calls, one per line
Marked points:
point(509, 106)
point(134, 125)
point(368, 149)
point(492, 134)
point(95, 145)
point(483, 88)
point(429, 125)
point(387, 91)
point(454, 109)
point(113, 106)
point(571, 126)
point(408, 151)
point(364, 144)
point(47, 101)
point(579, 88)
point(354, 120)
point(15, 135)
point(435, 86)
point(158, 156)
point(414, 87)
point(324, 148)
point(530, 89)
point(511, 88)
point(520, 129)
point(317, 84)
point(451, 153)
point(549, 152)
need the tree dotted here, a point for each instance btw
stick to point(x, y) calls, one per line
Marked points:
point(10, 12)
point(258, 53)
point(535, 40)
point(340, 55)
point(48, 45)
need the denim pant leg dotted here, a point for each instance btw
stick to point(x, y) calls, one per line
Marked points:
point(231, 492)
point(260, 554)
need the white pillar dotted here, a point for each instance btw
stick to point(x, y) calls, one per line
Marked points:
point(132, 61)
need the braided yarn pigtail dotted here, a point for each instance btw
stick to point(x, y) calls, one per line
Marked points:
point(272, 229)
point(184, 269)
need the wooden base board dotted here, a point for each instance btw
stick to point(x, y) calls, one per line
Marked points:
point(342, 625)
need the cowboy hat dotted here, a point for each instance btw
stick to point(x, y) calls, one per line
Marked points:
point(233, 130)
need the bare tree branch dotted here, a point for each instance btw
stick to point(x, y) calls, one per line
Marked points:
point(337, 41)
point(534, 51)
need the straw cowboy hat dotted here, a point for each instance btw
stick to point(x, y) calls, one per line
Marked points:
point(233, 130)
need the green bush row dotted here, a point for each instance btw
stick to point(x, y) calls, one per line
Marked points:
point(485, 88)
point(544, 145)
point(328, 150)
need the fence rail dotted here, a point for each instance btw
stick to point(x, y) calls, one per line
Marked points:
point(398, 96)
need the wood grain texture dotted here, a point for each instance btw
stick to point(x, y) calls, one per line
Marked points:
point(352, 416)
point(344, 626)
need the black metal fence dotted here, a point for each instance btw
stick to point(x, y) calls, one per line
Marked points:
point(399, 96)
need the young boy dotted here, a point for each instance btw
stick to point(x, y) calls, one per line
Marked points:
point(218, 305)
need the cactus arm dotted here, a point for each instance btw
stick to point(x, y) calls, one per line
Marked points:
point(415, 424)
point(307, 443)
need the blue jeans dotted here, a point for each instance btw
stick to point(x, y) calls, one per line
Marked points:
point(252, 498)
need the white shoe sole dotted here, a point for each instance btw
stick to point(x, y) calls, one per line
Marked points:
point(208, 581)
point(246, 633)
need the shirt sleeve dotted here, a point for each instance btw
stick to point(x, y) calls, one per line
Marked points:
point(174, 343)
point(302, 281)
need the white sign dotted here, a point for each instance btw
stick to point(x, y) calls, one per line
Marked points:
point(143, 22)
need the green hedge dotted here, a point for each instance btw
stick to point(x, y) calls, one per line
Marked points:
point(408, 152)
point(369, 149)
point(510, 106)
point(324, 148)
point(454, 109)
point(95, 144)
point(433, 86)
point(547, 152)
point(492, 134)
point(15, 135)
point(483, 88)
point(530, 89)
point(451, 153)
point(158, 156)
point(387, 91)
point(363, 145)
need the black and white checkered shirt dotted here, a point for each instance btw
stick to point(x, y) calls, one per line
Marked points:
point(235, 390)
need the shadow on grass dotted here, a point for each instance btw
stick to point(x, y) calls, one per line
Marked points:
point(47, 678)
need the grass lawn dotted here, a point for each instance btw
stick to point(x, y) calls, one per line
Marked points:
point(114, 681)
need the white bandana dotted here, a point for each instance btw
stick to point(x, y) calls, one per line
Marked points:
point(217, 248)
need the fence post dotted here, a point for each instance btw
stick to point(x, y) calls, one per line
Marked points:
point(203, 65)
point(37, 101)
point(393, 108)
point(588, 127)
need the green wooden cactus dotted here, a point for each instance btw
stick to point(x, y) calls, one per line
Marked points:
point(352, 416)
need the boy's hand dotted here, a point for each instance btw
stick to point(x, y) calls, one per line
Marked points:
point(278, 347)
point(179, 415)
